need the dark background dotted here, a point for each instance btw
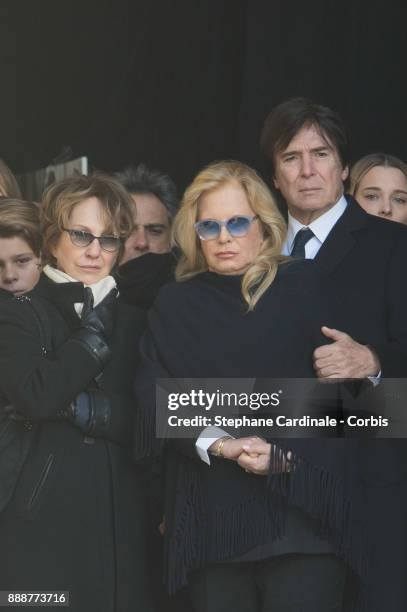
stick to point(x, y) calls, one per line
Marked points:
point(179, 83)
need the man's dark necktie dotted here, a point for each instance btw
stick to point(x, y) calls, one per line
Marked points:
point(300, 241)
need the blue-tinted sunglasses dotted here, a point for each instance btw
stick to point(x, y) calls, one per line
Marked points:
point(237, 226)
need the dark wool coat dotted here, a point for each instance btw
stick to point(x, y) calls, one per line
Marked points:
point(364, 260)
point(76, 520)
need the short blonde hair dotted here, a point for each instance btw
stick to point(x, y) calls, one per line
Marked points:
point(8, 183)
point(366, 163)
point(22, 219)
point(60, 199)
point(263, 269)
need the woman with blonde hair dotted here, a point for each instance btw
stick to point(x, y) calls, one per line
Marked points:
point(248, 524)
point(379, 184)
point(20, 245)
point(8, 184)
point(194, 258)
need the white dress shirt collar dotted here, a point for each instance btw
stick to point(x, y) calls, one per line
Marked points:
point(320, 227)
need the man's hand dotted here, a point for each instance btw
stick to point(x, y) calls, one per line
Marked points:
point(344, 358)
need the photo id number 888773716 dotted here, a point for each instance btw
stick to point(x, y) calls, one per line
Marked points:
point(34, 598)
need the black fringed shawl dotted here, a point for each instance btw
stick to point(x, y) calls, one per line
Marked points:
point(201, 329)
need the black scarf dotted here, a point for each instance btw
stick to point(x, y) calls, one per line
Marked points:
point(202, 329)
point(140, 279)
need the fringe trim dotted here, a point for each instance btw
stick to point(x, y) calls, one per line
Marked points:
point(322, 495)
point(227, 532)
point(198, 538)
point(146, 445)
point(146, 442)
point(183, 552)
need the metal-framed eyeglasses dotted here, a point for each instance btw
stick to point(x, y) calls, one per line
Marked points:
point(81, 238)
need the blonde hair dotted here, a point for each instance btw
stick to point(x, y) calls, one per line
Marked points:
point(22, 219)
point(263, 269)
point(366, 163)
point(60, 199)
point(8, 183)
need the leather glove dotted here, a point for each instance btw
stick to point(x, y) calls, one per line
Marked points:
point(101, 318)
point(91, 413)
point(97, 326)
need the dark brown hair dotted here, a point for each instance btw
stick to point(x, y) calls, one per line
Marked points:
point(143, 180)
point(287, 119)
point(22, 219)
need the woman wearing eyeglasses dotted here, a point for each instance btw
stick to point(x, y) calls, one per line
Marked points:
point(72, 501)
point(250, 523)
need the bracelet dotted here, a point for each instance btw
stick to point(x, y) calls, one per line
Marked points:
point(218, 451)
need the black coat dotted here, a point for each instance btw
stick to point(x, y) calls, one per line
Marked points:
point(364, 259)
point(76, 519)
